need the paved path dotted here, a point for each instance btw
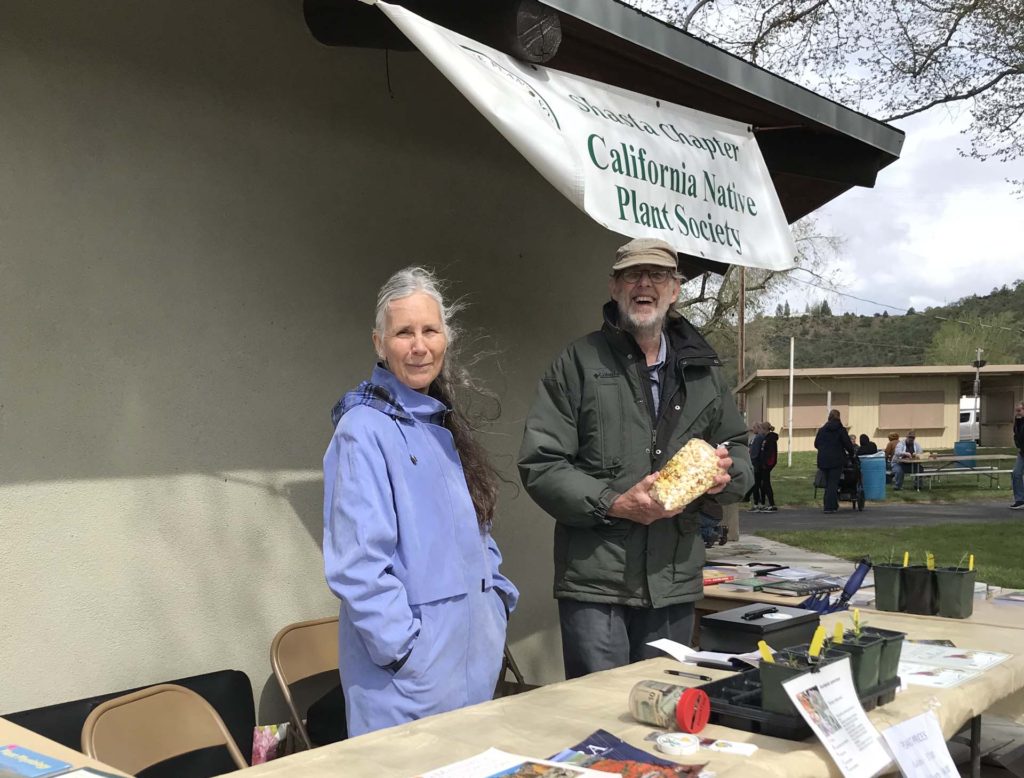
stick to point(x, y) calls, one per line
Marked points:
point(880, 514)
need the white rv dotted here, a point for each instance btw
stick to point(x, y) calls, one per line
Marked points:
point(970, 413)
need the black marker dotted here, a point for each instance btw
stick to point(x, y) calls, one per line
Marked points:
point(689, 675)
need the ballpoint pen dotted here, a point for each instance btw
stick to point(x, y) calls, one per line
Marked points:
point(689, 675)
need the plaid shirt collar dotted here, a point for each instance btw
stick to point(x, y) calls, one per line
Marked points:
point(383, 393)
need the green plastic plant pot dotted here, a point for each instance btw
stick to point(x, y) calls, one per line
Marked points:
point(889, 657)
point(955, 591)
point(774, 674)
point(865, 654)
point(888, 587)
point(919, 590)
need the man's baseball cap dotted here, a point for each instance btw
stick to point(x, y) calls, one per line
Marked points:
point(645, 251)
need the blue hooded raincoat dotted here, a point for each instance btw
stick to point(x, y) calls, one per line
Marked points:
point(417, 578)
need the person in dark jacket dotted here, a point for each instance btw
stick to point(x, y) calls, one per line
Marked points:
point(610, 411)
point(769, 457)
point(834, 450)
point(867, 446)
point(1018, 469)
point(756, 442)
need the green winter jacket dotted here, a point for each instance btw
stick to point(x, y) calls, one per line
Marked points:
point(591, 435)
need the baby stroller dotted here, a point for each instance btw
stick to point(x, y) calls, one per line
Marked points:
point(851, 484)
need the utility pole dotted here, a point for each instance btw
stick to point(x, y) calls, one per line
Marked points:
point(979, 363)
point(740, 372)
point(789, 424)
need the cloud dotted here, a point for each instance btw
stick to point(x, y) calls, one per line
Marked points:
point(936, 227)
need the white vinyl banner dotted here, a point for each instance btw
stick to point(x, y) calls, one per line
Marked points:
point(636, 165)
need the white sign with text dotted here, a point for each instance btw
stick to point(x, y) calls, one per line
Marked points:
point(639, 166)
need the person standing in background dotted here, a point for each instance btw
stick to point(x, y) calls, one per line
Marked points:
point(769, 457)
point(756, 442)
point(834, 450)
point(1018, 469)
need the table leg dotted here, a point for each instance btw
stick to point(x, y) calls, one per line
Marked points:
point(976, 747)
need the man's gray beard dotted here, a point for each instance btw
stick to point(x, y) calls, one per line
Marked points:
point(641, 331)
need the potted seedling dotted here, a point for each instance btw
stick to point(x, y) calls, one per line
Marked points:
point(919, 587)
point(864, 650)
point(889, 661)
point(888, 588)
point(789, 663)
point(955, 588)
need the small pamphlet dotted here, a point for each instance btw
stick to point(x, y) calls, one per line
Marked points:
point(828, 703)
point(611, 755)
point(942, 667)
point(920, 749)
point(19, 761)
point(493, 763)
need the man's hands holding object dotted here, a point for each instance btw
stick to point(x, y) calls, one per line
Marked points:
point(696, 469)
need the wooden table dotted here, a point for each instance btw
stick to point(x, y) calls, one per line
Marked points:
point(542, 722)
point(13, 734)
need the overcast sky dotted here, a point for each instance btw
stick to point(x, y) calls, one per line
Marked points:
point(936, 226)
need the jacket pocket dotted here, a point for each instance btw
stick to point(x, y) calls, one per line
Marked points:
point(598, 555)
point(603, 424)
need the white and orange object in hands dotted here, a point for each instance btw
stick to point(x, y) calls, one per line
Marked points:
point(687, 475)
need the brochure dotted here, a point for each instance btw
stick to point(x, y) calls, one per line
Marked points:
point(607, 753)
point(493, 763)
point(19, 761)
point(924, 664)
point(828, 703)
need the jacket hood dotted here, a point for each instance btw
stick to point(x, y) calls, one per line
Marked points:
point(685, 341)
point(772, 436)
point(833, 424)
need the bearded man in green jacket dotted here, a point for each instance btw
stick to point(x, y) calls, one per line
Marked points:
point(610, 411)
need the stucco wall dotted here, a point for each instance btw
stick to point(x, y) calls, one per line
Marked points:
point(197, 205)
point(863, 416)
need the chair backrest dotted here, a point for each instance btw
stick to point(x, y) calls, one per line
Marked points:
point(152, 725)
point(303, 650)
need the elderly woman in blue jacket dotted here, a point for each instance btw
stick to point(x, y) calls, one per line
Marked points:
point(409, 497)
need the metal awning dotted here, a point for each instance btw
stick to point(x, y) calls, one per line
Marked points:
point(815, 148)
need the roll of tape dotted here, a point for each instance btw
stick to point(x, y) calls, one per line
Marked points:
point(677, 744)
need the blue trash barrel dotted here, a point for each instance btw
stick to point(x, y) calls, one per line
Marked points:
point(872, 472)
point(967, 448)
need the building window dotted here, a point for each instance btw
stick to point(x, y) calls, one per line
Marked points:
point(810, 410)
point(911, 410)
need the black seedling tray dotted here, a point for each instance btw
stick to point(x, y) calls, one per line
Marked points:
point(736, 703)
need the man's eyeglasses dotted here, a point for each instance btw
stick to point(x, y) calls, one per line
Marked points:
point(632, 275)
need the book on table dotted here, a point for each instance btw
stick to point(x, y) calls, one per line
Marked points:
point(755, 584)
point(804, 588)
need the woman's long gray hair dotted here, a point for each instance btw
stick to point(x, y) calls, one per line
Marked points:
point(481, 476)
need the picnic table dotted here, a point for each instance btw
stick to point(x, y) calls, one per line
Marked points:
point(941, 465)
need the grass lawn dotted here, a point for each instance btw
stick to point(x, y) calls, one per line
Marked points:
point(795, 485)
point(997, 548)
